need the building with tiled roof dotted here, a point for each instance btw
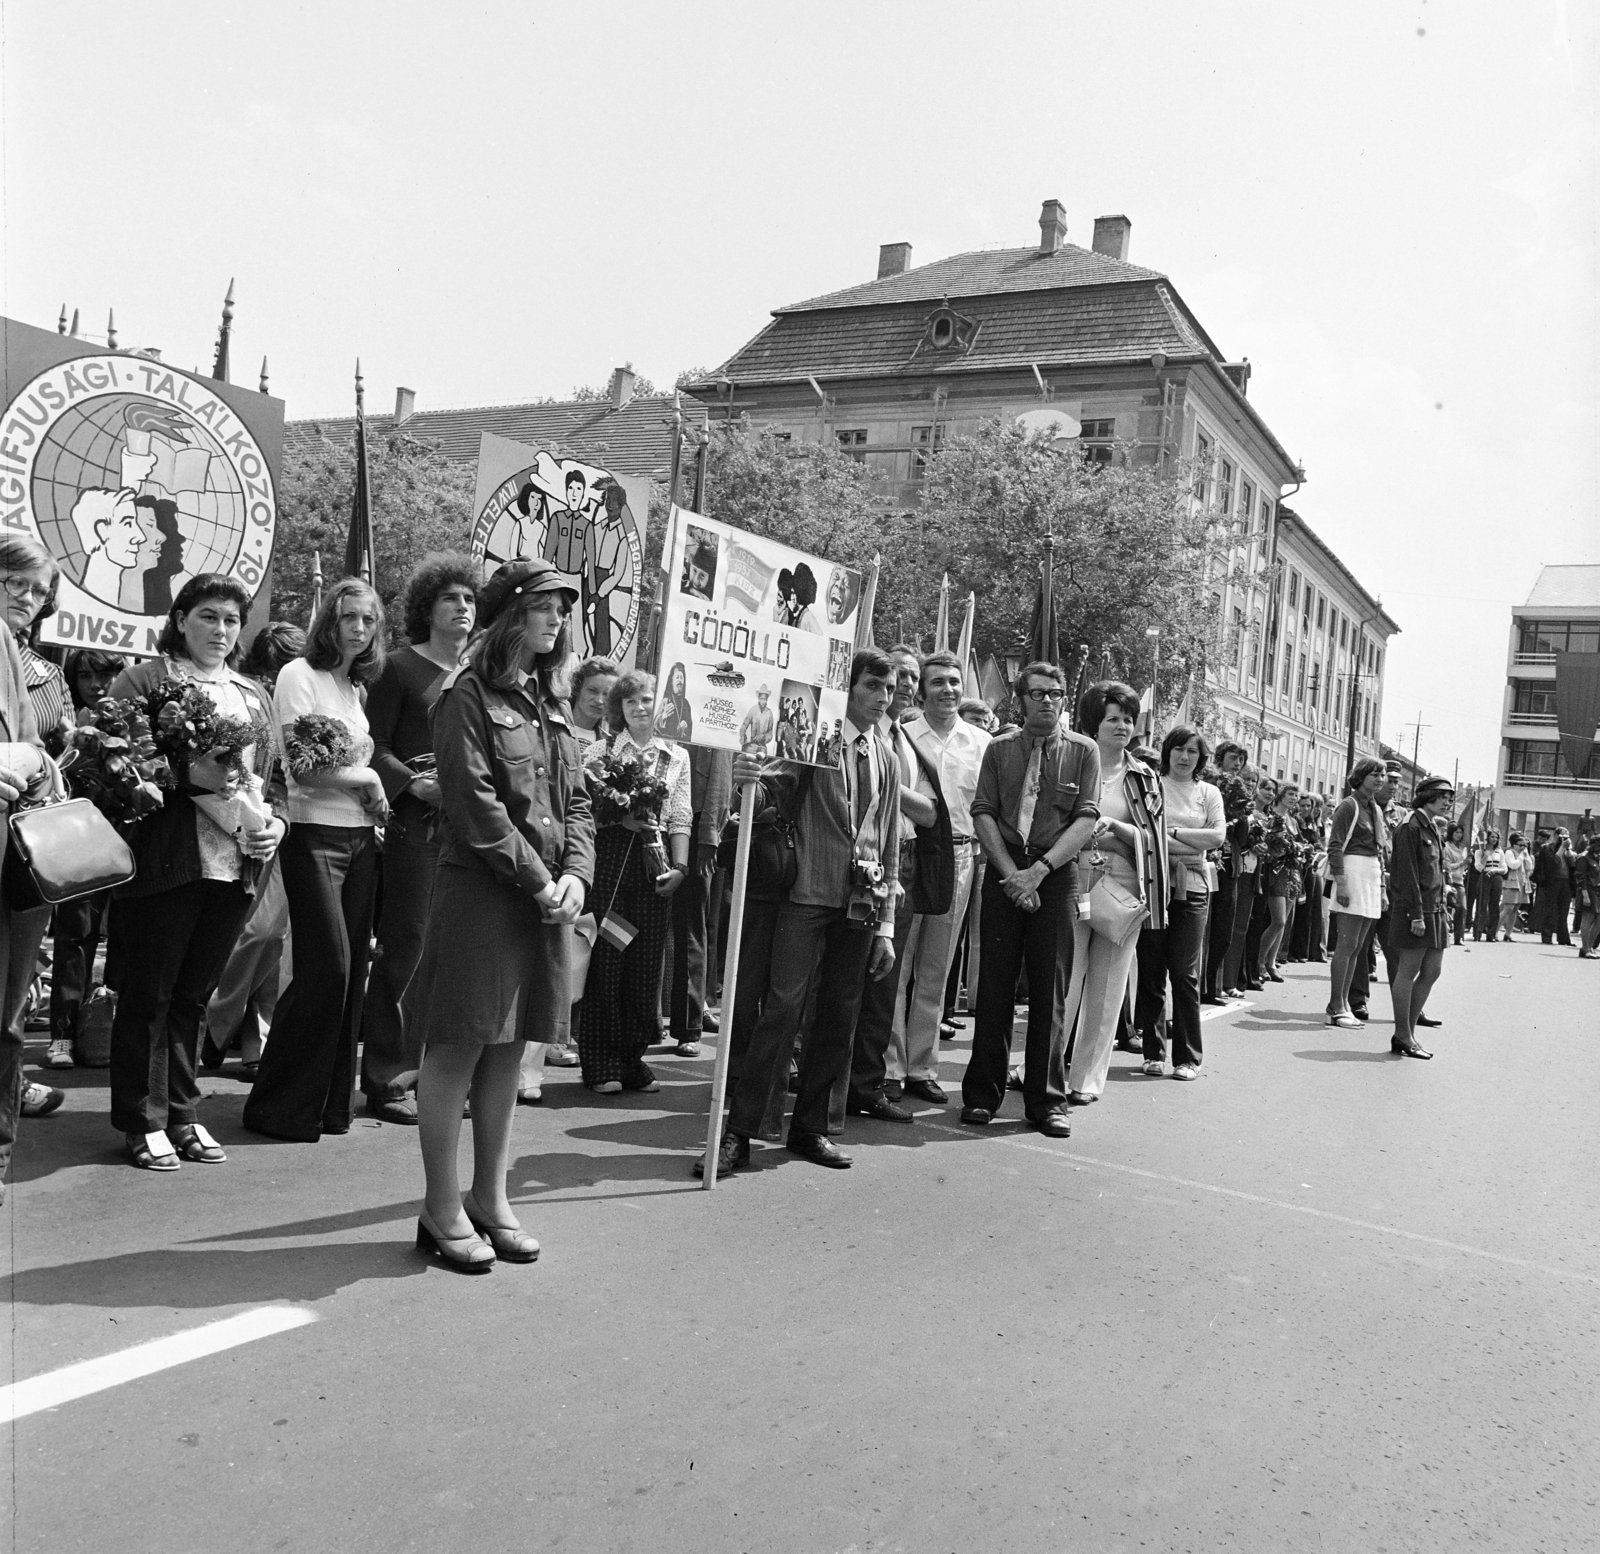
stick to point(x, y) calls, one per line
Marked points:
point(1077, 338)
point(624, 432)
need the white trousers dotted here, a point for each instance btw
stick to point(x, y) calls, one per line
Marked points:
point(1096, 994)
point(930, 951)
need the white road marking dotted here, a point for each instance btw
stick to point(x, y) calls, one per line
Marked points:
point(111, 1370)
point(1275, 1203)
point(1215, 1012)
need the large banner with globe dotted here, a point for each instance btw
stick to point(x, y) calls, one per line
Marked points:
point(135, 476)
point(573, 512)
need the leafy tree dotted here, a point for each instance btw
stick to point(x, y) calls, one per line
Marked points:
point(1130, 552)
point(421, 501)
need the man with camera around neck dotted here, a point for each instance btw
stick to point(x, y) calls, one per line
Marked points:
point(837, 927)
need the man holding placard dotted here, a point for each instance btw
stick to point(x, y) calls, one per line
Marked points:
point(837, 927)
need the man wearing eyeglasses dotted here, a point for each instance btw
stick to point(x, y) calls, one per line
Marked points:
point(1035, 808)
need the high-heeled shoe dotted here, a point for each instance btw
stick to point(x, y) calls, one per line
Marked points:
point(511, 1243)
point(432, 1244)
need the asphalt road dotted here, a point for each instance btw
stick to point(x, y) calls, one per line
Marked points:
point(1322, 1299)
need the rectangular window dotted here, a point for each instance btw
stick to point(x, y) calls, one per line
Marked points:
point(1558, 637)
point(1266, 515)
point(1238, 637)
point(1534, 697)
point(854, 443)
point(1300, 682)
point(1095, 439)
point(1322, 618)
point(1225, 487)
point(1288, 666)
point(925, 442)
point(1344, 633)
point(1294, 590)
point(1247, 504)
point(1202, 467)
point(1524, 759)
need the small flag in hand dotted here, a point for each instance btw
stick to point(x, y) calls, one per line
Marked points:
point(617, 931)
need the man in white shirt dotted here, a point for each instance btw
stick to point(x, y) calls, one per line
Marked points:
point(953, 748)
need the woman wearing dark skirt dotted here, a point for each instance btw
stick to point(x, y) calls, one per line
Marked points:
point(622, 997)
point(1419, 921)
point(175, 922)
point(516, 855)
point(304, 1086)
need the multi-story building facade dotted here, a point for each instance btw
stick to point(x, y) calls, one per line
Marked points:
point(1315, 676)
point(1535, 785)
point(889, 369)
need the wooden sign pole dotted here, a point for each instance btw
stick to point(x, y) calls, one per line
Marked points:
point(730, 983)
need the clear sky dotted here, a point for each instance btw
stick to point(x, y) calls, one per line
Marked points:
point(1389, 206)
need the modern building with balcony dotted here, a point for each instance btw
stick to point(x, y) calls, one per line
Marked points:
point(1556, 632)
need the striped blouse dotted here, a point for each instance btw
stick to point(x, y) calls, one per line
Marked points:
point(47, 691)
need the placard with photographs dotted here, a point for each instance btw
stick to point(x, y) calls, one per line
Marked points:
point(756, 643)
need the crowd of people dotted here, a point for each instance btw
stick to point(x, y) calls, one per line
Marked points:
point(542, 865)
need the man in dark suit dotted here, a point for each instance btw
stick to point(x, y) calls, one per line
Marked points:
point(1037, 801)
point(835, 930)
point(875, 1020)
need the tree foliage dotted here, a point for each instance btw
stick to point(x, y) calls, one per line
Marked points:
point(1130, 552)
point(421, 501)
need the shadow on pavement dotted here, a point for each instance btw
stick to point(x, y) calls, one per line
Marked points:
point(1348, 1057)
point(1279, 1019)
point(196, 1280)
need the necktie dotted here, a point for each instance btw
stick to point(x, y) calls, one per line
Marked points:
point(1030, 791)
point(863, 795)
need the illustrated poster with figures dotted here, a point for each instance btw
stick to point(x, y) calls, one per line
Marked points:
point(756, 643)
point(135, 476)
point(580, 516)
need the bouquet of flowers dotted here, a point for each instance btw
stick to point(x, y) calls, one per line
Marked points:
point(186, 726)
point(111, 760)
point(623, 789)
point(314, 742)
point(1244, 826)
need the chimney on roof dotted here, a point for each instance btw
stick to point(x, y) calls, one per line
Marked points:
point(893, 259)
point(405, 402)
point(1111, 236)
point(1052, 227)
point(622, 386)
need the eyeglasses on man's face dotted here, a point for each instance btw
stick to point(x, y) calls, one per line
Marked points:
point(1045, 693)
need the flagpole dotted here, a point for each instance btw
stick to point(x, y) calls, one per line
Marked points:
point(1047, 622)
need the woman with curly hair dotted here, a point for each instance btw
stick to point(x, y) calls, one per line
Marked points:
point(330, 874)
point(440, 608)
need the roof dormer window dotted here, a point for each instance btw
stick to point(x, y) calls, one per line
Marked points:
point(947, 330)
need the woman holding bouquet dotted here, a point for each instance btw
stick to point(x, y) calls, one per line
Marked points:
point(304, 1086)
point(516, 854)
point(640, 788)
point(199, 857)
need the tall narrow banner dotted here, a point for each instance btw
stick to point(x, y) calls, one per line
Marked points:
point(578, 515)
point(756, 643)
point(135, 477)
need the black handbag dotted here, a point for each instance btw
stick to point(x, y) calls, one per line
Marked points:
point(60, 850)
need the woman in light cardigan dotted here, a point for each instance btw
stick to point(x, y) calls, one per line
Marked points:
point(1127, 842)
point(1192, 824)
point(1514, 892)
point(1356, 844)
